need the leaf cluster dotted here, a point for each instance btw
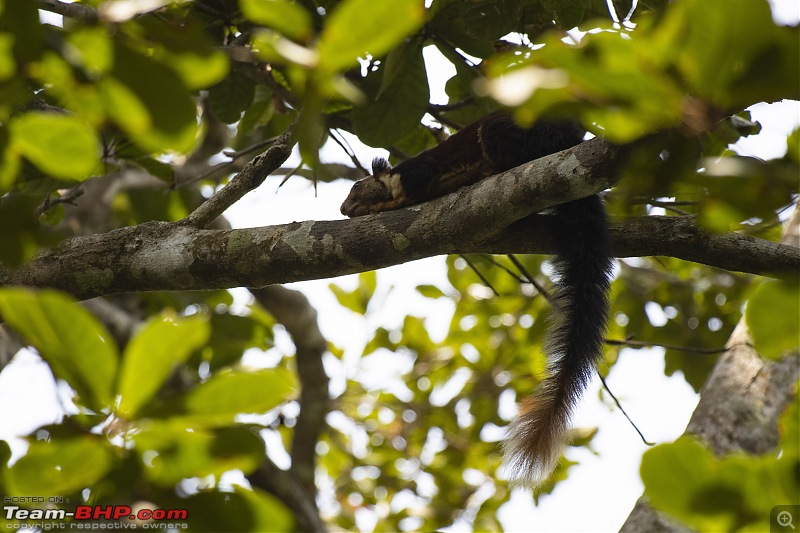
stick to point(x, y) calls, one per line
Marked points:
point(130, 434)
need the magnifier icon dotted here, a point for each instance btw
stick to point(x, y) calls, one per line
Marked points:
point(785, 519)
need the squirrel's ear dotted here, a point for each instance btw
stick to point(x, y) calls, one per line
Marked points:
point(380, 166)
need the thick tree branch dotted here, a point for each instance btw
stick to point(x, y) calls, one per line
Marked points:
point(74, 10)
point(292, 309)
point(291, 492)
point(739, 407)
point(167, 256)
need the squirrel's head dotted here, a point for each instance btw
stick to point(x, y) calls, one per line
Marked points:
point(369, 193)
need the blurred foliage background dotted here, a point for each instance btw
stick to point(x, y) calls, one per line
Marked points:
point(125, 112)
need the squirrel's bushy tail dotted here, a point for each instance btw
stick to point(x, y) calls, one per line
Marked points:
point(583, 266)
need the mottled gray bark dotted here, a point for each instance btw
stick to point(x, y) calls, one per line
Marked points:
point(739, 407)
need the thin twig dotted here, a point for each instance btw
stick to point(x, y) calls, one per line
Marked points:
point(605, 386)
point(479, 274)
point(532, 280)
point(342, 142)
point(490, 259)
point(444, 120)
point(68, 197)
point(291, 173)
point(233, 154)
point(441, 108)
point(643, 344)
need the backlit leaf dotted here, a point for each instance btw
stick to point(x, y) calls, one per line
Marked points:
point(75, 345)
point(360, 27)
point(61, 145)
point(161, 344)
point(60, 466)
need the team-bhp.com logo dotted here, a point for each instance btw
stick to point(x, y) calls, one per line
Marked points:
point(93, 517)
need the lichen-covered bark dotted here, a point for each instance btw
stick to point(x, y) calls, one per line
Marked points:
point(159, 256)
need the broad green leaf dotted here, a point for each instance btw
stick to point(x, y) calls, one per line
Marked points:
point(257, 114)
point(241, 510)
point(61, 145)
point(172, 116)
point(60, 466)
point(570, 13)
point(124, 107)
point(171, 452)
point(459, 22)
point(21, 20)
point(92, 48)
point(231, 335)
point(233, 392)
point(357, 300)
point(773, 318)
point(230, 97)
point(149, 358)
point(9, 166)
point(360, 27)
point(75, 345)
point(284, 16)
point(400, 105)
point(8, 66)
point(23, 233)
point(183, 46)
point(730, 493)
point(474, 26)
point(671, 472)
point(199, 71)
point(722, 67)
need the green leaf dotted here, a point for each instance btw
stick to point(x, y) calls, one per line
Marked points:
point(60, 466)
point(241, 510)
point(161, 344)
point(730, 493)
point(723, 67)
point(400, 104)
point(92, 48)
point(231, 335)
point(182, 44)
point(9, 165)
point(61, 145)
point(288, 18)
point(171, 452)
point(165, 116)
point(230, 97)
point(671, 472)
point(570, 13)
point(21, 20)
point(360, 27)
point(75, 345)
point(8, 67)
point(773, 318)
point(357, 300)
point(233, 392)
point(430, 291)
point(199, 71)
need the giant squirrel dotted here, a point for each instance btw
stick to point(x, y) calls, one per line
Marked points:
point(582, 264)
